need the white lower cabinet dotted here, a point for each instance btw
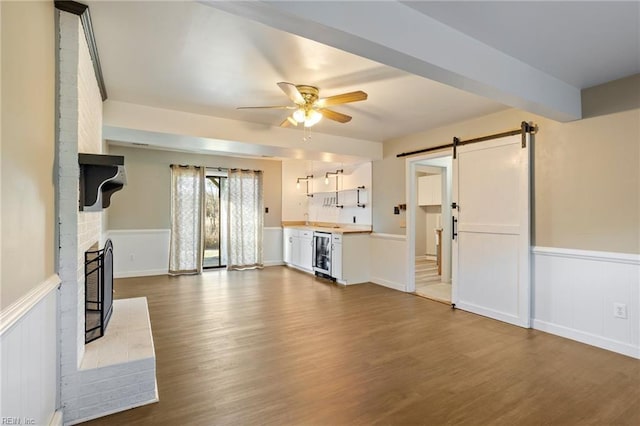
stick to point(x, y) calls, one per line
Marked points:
point(287, 246)
point(336, 256)
point(349, 254)
point(306, 250)
point(298, 248)
point(350, 258)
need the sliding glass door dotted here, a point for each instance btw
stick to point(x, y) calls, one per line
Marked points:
point(215, 222)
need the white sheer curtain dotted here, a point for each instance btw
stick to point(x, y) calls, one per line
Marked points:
point(187, 200)
point(245, 219)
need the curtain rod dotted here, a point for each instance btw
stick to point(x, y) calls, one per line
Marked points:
point(525, 128)
point(185, 166)
point(220, 169)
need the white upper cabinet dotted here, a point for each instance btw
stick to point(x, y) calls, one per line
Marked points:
point(430, 190)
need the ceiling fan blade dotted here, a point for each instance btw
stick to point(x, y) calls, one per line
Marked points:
point(342, 99)
point(268, 107)
point(288, 122)
point(335, 116)
point(292, 92)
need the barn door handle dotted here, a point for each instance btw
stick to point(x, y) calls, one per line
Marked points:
point(454, 230)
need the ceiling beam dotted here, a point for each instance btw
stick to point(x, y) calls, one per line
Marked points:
point(394, 34)
point(134, 124)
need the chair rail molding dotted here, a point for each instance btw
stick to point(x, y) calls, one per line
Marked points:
point(12, 314)
point(603, 256)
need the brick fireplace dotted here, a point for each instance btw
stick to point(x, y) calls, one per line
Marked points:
point(116, 372)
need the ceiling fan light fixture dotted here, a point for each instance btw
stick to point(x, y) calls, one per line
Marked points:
point(313, 117)
point(308, 108)
point(299, 115)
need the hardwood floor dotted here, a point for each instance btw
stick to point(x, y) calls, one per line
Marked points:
point(280, 347)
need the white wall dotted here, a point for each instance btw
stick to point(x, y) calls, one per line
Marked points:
point(140, 252)
point(28, 153)
point(28, 347)
point(144, 252)
point(28, 294)
point(388, 260)
point(295, 203)
point(574, 292)
point(272, 247)
point(294, 200)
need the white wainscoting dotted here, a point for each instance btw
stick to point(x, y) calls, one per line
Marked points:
point(144, 252)
point(574, 292)
point(29, 355)
point(140, 252)
point(272, 246)
point(388, 263)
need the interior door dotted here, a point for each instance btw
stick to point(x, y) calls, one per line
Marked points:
point(491, 259)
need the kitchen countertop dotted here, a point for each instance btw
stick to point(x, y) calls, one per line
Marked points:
point(329, 227)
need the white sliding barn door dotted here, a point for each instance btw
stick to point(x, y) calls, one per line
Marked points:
point(491, 257)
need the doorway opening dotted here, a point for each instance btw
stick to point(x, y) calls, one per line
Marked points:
point(215, 221)
point(429, 183)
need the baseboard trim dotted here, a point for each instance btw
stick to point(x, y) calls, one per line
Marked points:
point(490, 313)
point(14, 312)
point(56, 419)
point(147, 273)
point(297, 268)
point(588, 338)
point(273, 263)
point(389, 284)
point(602, 256)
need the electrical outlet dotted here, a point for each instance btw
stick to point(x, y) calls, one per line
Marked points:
point(620, 310)
point(131, 257)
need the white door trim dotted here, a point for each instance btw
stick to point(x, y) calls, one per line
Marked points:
point(411, 197)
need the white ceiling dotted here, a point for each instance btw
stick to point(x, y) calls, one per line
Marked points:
point(195, 58)
point(581, 43)
point(191, 57)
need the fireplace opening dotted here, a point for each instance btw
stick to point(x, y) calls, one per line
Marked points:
point(98, 290)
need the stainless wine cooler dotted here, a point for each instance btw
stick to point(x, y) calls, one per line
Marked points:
point(322, 254)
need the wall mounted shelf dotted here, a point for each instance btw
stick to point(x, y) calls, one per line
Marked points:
point(335, 196)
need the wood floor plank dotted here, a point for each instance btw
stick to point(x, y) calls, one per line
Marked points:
point(280, 347)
